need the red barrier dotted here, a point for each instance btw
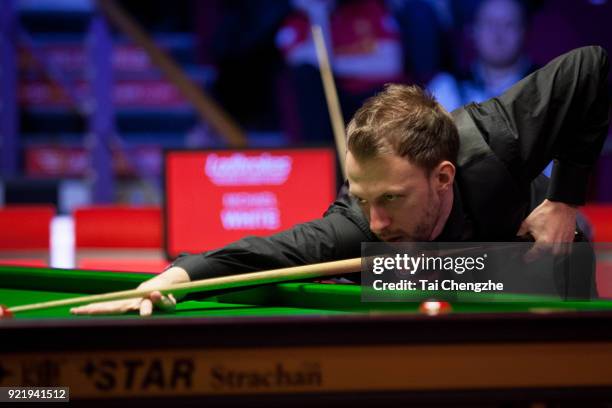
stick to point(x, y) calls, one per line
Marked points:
point(600, 217)
point(26, 227)
point(118, 227)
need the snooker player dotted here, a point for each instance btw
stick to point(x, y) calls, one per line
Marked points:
point(418, 173)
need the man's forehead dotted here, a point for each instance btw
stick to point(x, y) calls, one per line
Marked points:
point(380, 173)
point(371, 167)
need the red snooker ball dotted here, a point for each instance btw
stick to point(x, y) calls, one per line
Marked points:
point(435, 307)
point(5, 312)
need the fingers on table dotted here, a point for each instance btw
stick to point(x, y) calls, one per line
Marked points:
point(163, 302)
point(114, 307)
point(144, 306)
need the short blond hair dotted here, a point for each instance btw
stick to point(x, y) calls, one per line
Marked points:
point(407, 121)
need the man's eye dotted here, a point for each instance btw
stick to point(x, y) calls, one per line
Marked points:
point(390, 197)
point(362, 202)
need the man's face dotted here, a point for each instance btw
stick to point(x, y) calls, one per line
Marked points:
point(499, 32)
point(398, 198)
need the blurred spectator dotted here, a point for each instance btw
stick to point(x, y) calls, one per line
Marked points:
point(243, 49)
point(425, 27)
point(498, 35)
point(365, 53)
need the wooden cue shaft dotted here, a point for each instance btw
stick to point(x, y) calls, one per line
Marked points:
point(333, 105)
point(233, 281)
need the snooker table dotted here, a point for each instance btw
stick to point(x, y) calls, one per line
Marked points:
point(302, 344)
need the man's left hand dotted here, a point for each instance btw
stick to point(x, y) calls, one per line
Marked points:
point(553, 225)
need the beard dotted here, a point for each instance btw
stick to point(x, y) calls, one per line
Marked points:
point(423, 230)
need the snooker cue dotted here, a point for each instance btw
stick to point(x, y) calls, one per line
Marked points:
point(234, 281)
point(333, 105)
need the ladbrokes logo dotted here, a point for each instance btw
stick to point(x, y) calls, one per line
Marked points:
point(305, 375)
point(239, 169)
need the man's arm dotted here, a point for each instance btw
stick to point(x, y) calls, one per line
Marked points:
point(330, 238)
point(335, 236)
point(558, 113)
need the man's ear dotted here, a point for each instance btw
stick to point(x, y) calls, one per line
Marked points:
point(444, 175)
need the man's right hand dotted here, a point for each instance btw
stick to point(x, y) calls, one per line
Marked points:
point(144, 305)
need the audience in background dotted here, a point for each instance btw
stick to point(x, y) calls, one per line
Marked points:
point(365, 52)
point(242, 48)
point(265, 72)
point(426, 28)
point(498, 35)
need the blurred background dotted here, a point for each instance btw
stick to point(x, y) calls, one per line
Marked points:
point(93, 92)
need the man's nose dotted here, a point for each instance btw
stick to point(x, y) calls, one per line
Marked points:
point(379, 219)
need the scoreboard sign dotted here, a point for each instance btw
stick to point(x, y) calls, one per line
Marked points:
point(214, 197)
